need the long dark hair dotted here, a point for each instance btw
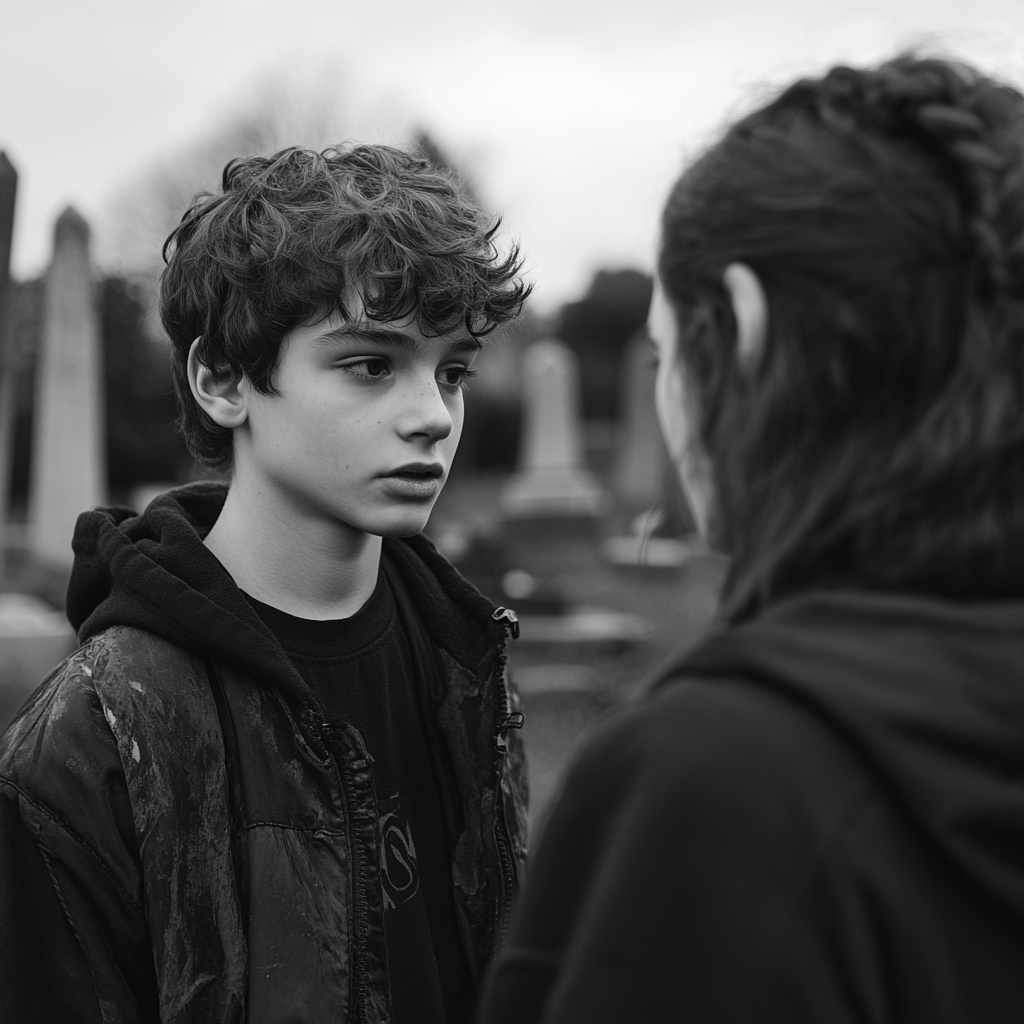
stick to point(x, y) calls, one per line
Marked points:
point(880, 443)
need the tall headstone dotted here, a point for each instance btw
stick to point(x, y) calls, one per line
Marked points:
point(551, 483)
point(68, 465)
point(8, 192)
point(642, 460)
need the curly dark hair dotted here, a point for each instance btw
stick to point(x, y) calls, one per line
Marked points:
point(291, 236)
point(881, 442)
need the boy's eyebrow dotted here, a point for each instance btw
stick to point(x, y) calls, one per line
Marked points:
point(469, 344)
point(387, 336)
point(367, 332)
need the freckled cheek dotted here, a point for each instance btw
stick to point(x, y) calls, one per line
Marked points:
point(343, 442)
point(451, 442)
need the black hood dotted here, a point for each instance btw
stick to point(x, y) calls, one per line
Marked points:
point(153, 572)
point(929, 694)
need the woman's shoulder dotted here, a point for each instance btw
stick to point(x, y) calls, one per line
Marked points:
point(724, 742)
point(689, 718)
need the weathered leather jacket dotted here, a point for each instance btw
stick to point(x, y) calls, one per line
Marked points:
point(215, 862)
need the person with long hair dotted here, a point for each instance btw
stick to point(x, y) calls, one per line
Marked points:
point(817, 813)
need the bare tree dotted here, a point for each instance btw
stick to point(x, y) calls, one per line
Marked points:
point(319, 109)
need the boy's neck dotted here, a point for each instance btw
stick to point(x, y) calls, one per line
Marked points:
point(305, 565)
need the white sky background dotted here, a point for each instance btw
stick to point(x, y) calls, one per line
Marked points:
point(571, 116)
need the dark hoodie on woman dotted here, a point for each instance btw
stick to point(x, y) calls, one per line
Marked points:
point(183, 834)
point(816, 817)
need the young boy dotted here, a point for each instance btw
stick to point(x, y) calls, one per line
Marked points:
point(277, 782)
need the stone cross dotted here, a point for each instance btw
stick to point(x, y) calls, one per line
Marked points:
point(68, 464)
point(551, 481)
point(642, 460)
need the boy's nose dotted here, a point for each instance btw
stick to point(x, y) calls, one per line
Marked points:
point(427, 414)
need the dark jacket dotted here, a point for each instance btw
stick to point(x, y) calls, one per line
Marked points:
point(176, 838)
point(817, 816)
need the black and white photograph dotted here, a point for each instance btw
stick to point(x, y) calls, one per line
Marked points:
point(512, 513)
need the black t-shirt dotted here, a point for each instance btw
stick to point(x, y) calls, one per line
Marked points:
point(362, 671)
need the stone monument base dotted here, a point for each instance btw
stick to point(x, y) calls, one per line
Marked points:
point(553, 492)
point(33, 640)
point(652, 554)
point(582, 627)
point(551, 544)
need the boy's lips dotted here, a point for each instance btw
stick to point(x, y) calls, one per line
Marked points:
point(416, 480)
point(418, 469)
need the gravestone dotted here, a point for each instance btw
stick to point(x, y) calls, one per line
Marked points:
point(8, 191)
point(68, 471)
point(642, 460)
point(660, 532)
point(551, 509)
point(551, 486)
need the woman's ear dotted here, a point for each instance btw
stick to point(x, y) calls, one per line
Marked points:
point(750, 307)
point(218, 393)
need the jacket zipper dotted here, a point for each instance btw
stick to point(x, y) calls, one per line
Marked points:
point(359, 980)
point(509, 620)
point(503, 912)
point(504, 915)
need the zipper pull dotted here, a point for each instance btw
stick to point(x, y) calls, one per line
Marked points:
point(508, 619)
point(513, 720)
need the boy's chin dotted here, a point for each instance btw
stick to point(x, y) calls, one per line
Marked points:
point(402, 526)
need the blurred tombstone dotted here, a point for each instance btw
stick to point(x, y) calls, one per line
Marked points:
point(8, 191)
point(68, 470)
point(550, 507)
point(33, 638)
point(642, 461)
point(661, 531)
point(551, 488)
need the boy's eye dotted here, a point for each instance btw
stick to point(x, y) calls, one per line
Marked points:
point(371, 368)
point(455, 377)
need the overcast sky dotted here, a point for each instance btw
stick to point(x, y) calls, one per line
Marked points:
point(571, 117)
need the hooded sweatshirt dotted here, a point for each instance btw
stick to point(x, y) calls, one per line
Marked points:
point(183, 834)
point(815, 816)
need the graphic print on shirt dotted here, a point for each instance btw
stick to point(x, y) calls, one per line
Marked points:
point(399, 874)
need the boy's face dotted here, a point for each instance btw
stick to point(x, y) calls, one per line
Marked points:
point(364, 427)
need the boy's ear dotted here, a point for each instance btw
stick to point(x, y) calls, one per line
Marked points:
point(750, 307)
point(218, 393)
